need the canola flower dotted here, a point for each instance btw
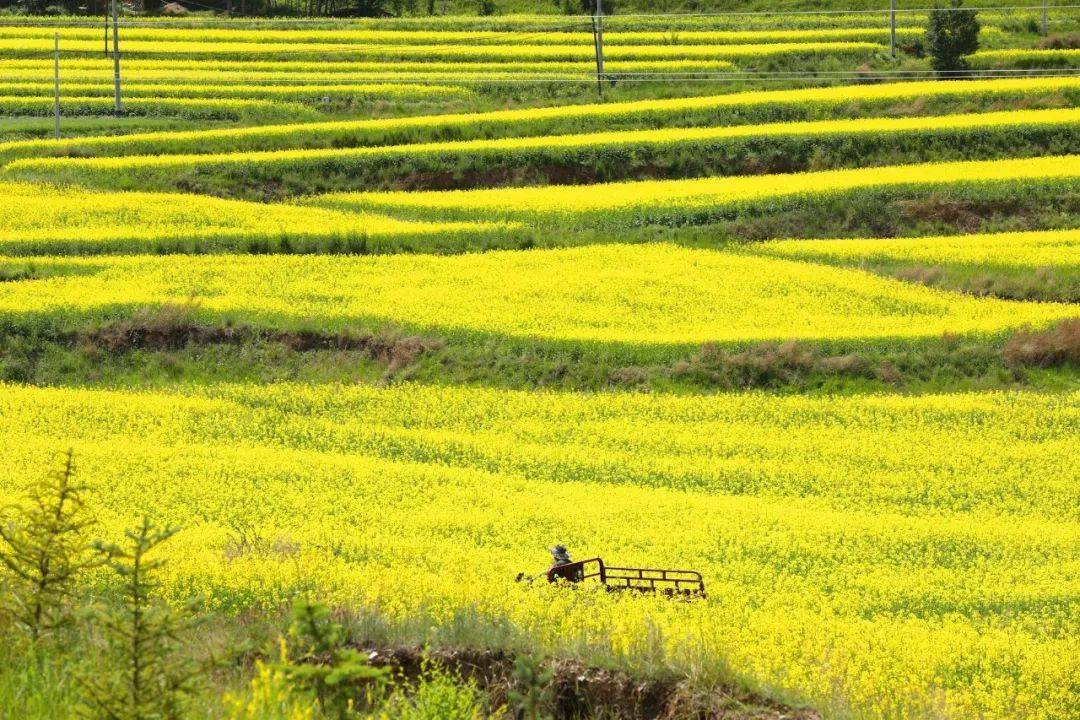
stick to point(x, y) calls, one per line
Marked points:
point(647, 301)
point(1058, 249)
point(195, 108)
point(141, 171)
point(392, 91)
point(22, 47)
point(210, 70)
point(528, 121)
point(855, 561)
point(440, 37)
point(652, 200)
point(1007, 56)
point(36, 218)
point(206, 81)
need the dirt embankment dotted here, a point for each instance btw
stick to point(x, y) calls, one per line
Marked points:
point(580, 691)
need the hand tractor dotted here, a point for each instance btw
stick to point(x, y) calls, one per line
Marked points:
point(675, 583)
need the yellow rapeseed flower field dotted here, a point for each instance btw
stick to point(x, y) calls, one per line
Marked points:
point(528, 121)
point(891, 531)
point(103, 86)
point(579, 35)
point(644, 297)
point(1052, 57)
point(193, 108)
point(23, 47)
point(672, 198)
point(1048, 248)
point(41, 219)
point(551, 146)
point(211, 70)
point(854, 560)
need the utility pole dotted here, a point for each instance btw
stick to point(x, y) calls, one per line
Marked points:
point(598, 43)
point(892, 28)
point(56, 81)
point(118, 105)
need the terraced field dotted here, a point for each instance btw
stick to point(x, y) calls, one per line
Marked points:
point(379, 311)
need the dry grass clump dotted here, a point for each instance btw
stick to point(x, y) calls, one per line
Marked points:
point(1067, 41)
point(767, 364)
point(1058, 345)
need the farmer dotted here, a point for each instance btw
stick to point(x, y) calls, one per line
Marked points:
point(560, 558)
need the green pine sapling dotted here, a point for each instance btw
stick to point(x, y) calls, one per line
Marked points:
point(144, 673)
point(44, 551)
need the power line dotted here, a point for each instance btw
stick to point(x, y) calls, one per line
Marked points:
point(582, 19)
point(864, 11)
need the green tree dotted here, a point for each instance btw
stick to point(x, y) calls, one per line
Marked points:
point(44, 550)
point(951, 34)
point(144, 674)
point(319, 663)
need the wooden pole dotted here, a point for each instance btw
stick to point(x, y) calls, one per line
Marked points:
point(892, 28)
point(118, 106)
point(600, 35)
point(598, 46)
point(56, 81)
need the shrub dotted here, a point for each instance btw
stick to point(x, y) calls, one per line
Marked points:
point(338, 677)
point(439, 695)
point(270, 697)
point(531, 696)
